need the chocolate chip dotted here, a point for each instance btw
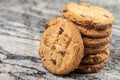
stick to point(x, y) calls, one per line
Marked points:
point(53, 48)
point(87, 23)
point(65, 11)
point(46, 26)
point(95, 59)
point(60, 30)
point(54, 61)
point(106, 16)
point(62, 53)
point(44, 59)
point(82, 16)
point(86, 67)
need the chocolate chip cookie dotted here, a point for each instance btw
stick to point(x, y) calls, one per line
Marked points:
point(92, 33)
point(95, 50)
point(61, 47)
point(90, 42)
point(88, 16)
point(91, 68)
point(97, 58)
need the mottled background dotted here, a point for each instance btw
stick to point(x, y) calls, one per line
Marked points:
point(21, 25)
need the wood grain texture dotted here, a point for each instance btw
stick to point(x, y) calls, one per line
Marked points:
point(21, 26)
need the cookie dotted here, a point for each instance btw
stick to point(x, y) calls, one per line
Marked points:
point(61, 47)
point(88, 15)
point(95, 50)
point(92, 33)
point(90, 42)
point(91, 68)
point(97, 58)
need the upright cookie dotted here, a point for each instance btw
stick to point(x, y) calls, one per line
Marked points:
point(92, 33)
point(90, 42)
point(91, 68)
point(97, 58)
point(61, 47)
point(87, 15)
point(97, 50)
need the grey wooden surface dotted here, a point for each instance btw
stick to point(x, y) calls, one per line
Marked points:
point(21, 26)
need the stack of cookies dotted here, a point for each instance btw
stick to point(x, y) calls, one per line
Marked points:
point(95, 25)
point(79, 41)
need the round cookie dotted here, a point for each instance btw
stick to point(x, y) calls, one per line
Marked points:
point(61, 47)
point(87, 15)
point(90, 42)
point(95, 50)
point(92, 33)
point(95, 59)
point(91, 68)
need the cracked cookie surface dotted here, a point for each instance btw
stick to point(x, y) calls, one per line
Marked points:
point(61, 46)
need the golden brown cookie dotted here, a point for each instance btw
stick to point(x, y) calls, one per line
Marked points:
point(91, 68)
point(97, 58)
point(88, 15)
point(92, 33)
point(90, 42)
point(95, 50)
point(61, 47)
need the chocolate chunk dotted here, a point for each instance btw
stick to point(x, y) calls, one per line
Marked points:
point(87, 23)
point(65, 11)
point(60, 30)
point(53, 48)
point(106, 16)
point(62, 53)
point(44, 59)
point(95, 59)
point(86, 67)
point(82, 16)
point(54, 61)
point(46, 26)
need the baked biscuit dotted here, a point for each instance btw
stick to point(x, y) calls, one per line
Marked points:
point(92, 33)
point(91, 68)
point(97, 58)
point(89, 16)
point(95, 50)
point(61, 47)
point(90, 42)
